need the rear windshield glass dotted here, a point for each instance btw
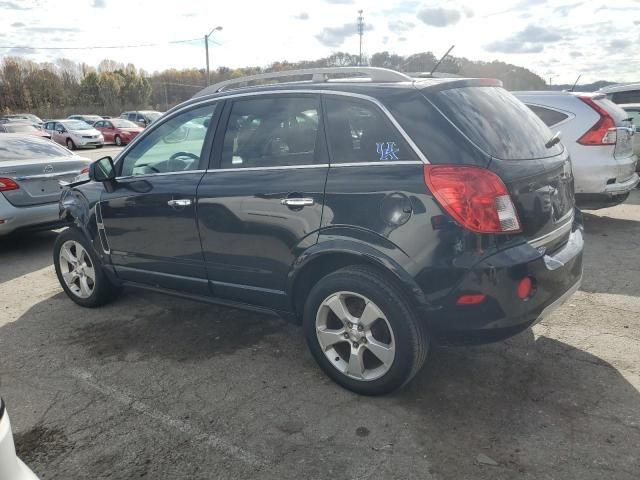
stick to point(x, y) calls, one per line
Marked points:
point(25, 148)
point(498, 123)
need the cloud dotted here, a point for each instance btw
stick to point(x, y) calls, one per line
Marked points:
point(439, 17)
point(400, 25)
point(530, 40)
point(17, 24)
point(52, 29)
point(99, 3)
point(335, 36)
point(576, 54)
point(19, 51)
point(564, 10)
point(13, 6)
point(619, 44)
point(340, 2)
point(302, 16)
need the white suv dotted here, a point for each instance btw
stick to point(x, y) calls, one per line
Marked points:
point(598, 134)
point(11, 467)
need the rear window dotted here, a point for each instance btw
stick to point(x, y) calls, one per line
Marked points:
point(25, 148)
point(497, 122)
point(630, 96)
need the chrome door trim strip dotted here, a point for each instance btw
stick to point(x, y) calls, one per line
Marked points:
point(555, 234)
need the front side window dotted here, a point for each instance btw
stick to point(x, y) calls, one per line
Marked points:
point(175, 146)
point(358, 131)
point(272, 132)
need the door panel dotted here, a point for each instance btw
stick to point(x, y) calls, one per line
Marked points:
point(271, 153)
point(150, 214)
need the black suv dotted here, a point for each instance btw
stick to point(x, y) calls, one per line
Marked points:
point(385, 214)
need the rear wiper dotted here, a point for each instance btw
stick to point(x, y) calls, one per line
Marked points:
point(554, 140)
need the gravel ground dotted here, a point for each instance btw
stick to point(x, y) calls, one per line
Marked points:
point(163, 388)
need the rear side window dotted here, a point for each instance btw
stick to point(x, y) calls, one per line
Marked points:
point(272, 132)
point(548, 116)
point(359, 131)
point(26, 148)
point(497, 122)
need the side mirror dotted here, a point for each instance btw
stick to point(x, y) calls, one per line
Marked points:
point(102, 170)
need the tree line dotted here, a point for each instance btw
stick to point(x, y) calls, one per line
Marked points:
point(65, 87)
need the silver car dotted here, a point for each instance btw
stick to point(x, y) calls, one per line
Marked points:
point(633, 110)
point(599, 137)
point(30, 171)
point(11, 467)
point(73, 133)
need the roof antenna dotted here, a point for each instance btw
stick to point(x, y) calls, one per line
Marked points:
point(441, 60)
point(574, 85)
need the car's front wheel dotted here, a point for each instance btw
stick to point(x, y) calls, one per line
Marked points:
point(118, 140)
point(362, 331)
point(79, 271)
point(70, 144)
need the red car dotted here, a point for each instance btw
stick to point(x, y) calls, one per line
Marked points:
point(117, 130)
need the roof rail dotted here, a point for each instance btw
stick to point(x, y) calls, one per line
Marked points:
point(317, 75)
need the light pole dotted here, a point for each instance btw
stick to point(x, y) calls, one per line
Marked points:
point(551, 77)
point(360, 33)
point(206, 47)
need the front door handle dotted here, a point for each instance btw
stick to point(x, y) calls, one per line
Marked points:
point(297, 202)
point(182, 202)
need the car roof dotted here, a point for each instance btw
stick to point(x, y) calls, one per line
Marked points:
point(621, 87)
point(629, 105)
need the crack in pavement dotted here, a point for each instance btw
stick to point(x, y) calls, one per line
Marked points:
point(209, 439)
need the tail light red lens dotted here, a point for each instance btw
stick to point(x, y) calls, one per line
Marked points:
point(475, 299)
point(475, 197)
point(525, 288)
point(7, 184)
point(604, 131)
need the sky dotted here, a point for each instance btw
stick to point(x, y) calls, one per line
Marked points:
point(557, 39)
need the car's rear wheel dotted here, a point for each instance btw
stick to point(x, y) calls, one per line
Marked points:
point(99, 146)
point(362, 332)
point(118, 140)
point(70, 144)
point(79, 271)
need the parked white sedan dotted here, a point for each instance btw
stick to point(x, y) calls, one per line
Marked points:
point(599, 137)
point(11, 467)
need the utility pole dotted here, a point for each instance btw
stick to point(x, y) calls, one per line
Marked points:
point(360, 33)
point(206, 48)
point(550, 80)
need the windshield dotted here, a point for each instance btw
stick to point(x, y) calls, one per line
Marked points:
point(24, 148)
point(123, 123)
point(76, 125)
point(92, 118)
point(20, 128)
point(153, 116)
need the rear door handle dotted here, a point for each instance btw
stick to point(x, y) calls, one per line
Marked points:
point(297, 202)
point(181, 202)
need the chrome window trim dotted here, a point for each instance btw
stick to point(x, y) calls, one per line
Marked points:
point(360, 96)
point(384, 163)
point(558, 232)
point(279, 167)
point(146, 175)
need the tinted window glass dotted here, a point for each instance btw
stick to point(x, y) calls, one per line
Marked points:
point(175, 146)
point(632, 96)
point(548, 116)
point(359, 131)
point(498, 123)
point(271, 132)
point(29, 148)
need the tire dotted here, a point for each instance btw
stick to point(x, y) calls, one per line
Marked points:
point(118, 141)
point(70, 144)
point(392, 324)
point(99, 146)
point(96, 291)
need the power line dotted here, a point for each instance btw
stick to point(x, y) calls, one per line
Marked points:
point(104, 46)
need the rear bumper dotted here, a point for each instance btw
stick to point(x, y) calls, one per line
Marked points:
point(556, 276)
point(37, 217)
point(626, 186)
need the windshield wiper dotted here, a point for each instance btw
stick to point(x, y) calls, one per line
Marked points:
point(554, 140)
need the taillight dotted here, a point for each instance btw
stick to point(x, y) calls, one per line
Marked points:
point(7, 184)
point(475, 197)
point(604, 131)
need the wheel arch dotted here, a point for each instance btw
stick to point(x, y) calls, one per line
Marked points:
point(326, 257)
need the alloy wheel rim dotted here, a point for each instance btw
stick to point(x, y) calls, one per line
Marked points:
point(77, 269)
point(355, 336)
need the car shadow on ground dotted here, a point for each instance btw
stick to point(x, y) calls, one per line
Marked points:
point(24, 253)
point(535, 406)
